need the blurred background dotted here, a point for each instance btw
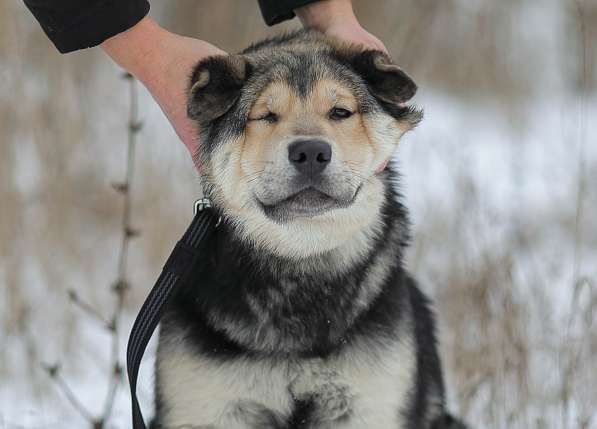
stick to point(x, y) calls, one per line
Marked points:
point(500, 179)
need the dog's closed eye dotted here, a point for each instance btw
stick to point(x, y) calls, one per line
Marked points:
point(270, 117)
point(339, 113)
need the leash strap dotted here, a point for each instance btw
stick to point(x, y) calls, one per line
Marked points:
point(175, 273)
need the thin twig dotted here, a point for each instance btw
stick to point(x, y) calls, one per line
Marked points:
point(54, 373)
point(87, 308)
point(575, 353)
point(121, 285)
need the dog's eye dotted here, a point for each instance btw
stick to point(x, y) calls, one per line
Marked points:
point(338, 113)
point(270, 117)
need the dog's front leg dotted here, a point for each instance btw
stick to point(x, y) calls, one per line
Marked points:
point(195, 391)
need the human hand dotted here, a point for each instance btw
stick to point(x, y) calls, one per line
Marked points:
point(163, 62)
point(336, 18)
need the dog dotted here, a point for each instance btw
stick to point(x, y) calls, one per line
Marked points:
point(301, 314)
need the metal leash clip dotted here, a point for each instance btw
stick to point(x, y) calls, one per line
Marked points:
point(201, 204)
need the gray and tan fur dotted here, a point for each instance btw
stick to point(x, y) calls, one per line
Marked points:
point(302, 315)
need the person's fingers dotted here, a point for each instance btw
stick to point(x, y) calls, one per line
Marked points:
point(378, 44)
point(354, 33)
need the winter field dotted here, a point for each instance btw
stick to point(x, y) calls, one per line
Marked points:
point(500, 179)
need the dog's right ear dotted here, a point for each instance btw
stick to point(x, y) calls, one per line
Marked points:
point(215, 86)
point(387, 82)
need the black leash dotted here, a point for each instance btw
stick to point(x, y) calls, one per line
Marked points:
point(175, 273)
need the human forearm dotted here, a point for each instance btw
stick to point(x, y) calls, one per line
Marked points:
point(137, 50)
point(163, 62)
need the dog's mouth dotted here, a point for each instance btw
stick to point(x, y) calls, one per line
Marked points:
point(306, 203)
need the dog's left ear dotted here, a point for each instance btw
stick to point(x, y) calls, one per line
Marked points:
point(386, 81)
point(215, 86)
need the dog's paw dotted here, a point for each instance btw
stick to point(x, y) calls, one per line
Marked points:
point(255, 415)
point(332, 398)
point(333, 401)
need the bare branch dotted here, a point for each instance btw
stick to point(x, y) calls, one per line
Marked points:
point(55, 374)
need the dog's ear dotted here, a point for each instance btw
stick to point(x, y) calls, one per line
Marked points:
point(215, 86)
point(386, 81)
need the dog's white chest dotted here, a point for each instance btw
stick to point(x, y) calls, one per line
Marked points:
point(364, 388)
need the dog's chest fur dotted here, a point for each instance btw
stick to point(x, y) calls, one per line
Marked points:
point(365, 386)
point(260, 342)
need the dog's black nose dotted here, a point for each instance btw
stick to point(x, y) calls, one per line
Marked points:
point(310, 156)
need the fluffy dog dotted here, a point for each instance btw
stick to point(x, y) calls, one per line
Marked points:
point(302, 315)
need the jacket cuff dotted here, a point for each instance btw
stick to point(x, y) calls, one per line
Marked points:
point(276, 11)
point(97, 24)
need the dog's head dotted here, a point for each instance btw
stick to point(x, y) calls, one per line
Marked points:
point(295, 135)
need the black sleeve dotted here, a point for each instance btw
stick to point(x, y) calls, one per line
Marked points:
point(78, 24)
point(276, 11)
